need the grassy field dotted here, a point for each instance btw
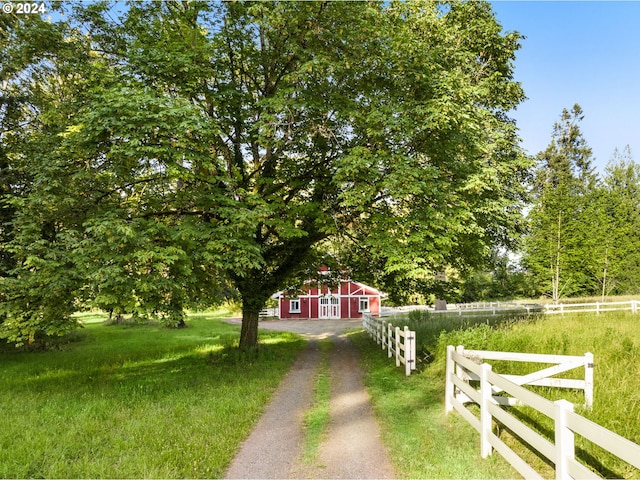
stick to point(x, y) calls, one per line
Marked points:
point(144, 401)
point(446, 447)
point(136, 401)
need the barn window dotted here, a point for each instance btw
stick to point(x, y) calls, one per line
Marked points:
point(363, 306)
point(294, 305)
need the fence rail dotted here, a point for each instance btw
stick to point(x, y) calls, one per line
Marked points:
point(460, 369)
point(597, 307)
point(268, 312)
point(560, 364)
point(487, 305)
point(398, 342)
point(496, 308)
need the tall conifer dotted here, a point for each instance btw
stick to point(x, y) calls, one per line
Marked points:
point(563, 178)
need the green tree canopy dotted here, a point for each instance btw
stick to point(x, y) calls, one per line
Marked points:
point(174, 153)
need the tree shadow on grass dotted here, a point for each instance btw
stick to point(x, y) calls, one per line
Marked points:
point(153, 371)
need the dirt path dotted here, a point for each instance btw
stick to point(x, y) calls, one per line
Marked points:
point(351, 449)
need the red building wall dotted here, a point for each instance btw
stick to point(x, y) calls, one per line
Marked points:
point(349, 294)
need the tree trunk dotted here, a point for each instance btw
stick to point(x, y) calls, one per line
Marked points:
point(253, 301)
point(249, 331)
point(604, 273)
point(556, 278)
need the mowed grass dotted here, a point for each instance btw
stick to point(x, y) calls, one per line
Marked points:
point(136, 401)
point(426, 443)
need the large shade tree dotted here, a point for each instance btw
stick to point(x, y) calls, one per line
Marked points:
point(180, 151)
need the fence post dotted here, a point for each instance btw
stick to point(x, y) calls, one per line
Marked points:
point(409, 350)
point(449, 390)
point(597, 308)
point(375, 331)
point(407, 364)
point(397, 346)
point(634, 306)
point(486, 419)
point(588, 379)
point(459, 369)
point(385, 338)
point(412, 349)
point(389, 339)
point(565, 448)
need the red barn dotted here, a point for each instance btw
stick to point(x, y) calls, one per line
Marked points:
point(347, 300)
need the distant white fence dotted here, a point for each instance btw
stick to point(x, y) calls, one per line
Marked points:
point(461, 369)
point(487, 305)
point(597, 307)
point(268, 312)
point(392, 311)
point(493, 308)
point(398, 342)
point(501, 307)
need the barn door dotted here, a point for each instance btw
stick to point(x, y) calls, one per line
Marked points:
point(329, 307)
point(334, 306)
point(324, 307)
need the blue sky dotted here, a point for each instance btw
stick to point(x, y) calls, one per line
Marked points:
point(585, 52)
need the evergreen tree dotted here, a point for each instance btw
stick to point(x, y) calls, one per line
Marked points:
point(564, 178)
point(619, 232)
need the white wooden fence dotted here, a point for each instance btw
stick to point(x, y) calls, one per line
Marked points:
point(597, 307)
point(398, 342)
point(561, 363)
point(460, 370)
point(493, 308)
point(486, 305)
point(549, 308)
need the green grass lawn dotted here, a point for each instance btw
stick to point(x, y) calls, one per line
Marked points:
point(426, 443)
point(136, 401)
point(145, 401)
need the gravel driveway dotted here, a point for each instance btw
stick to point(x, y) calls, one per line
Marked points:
point(313, 328)
point(351, 449)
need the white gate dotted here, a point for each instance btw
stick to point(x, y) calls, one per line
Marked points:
point(561, 447)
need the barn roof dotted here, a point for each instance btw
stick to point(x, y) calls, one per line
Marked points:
point(361, 289)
